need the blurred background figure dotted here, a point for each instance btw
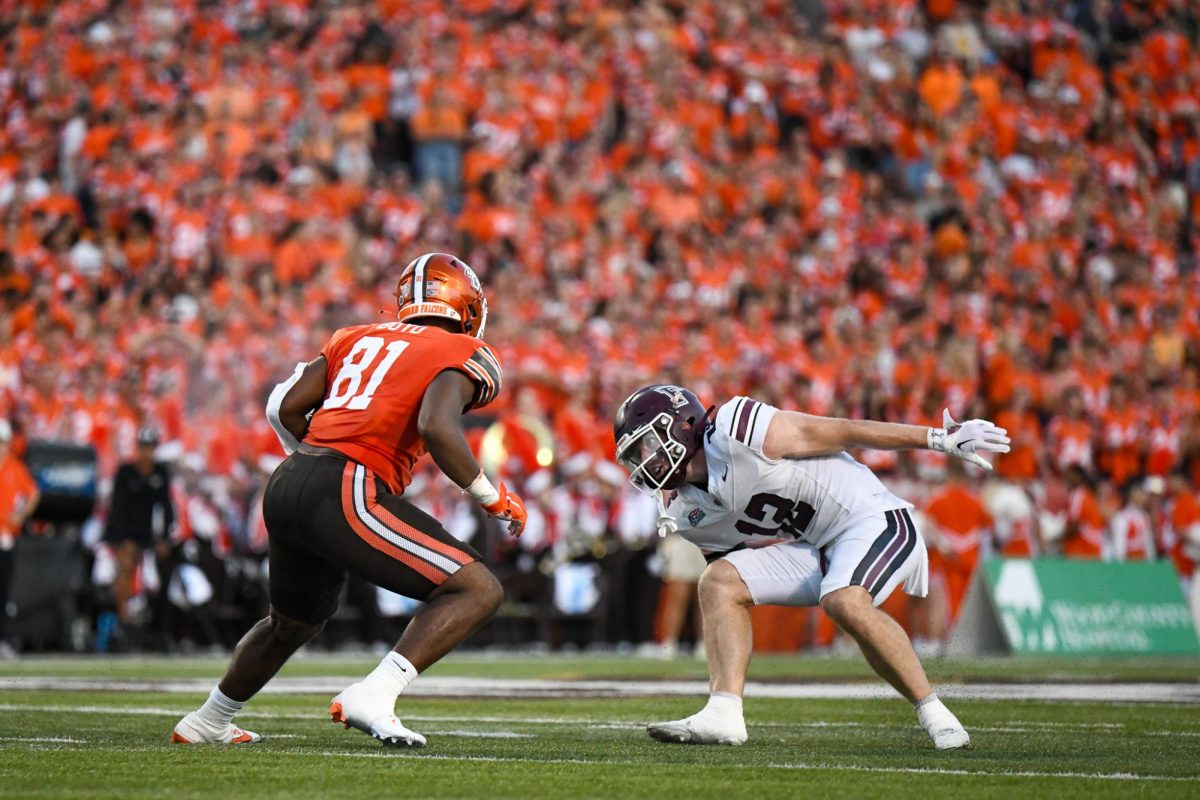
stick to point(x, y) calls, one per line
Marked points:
point(141, 515)
point(1130, 532)
point(959, 530)
point(18, 499)
point(679, 606)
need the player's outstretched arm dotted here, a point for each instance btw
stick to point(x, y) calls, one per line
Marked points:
point(440, 425)
point(795, 435)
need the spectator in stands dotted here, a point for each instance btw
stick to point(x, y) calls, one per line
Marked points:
point(1031, 220)
point(1084, 534)
point(18, 499)
point(1182, 537)
point(438, 130)
point(1130, 531)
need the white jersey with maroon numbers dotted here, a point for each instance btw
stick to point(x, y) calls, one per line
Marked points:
point(752, 498)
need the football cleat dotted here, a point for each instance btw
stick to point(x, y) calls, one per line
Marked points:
point(194, 730)
point(700, 728)
point(949, 736)
point(355, 708)
point(943, 727)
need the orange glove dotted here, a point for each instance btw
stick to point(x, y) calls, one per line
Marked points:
point(508, 508)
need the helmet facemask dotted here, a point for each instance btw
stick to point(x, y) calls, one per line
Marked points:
point(655, 459)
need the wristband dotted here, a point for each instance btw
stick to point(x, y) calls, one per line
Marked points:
point(482, 490)
point(935, 439)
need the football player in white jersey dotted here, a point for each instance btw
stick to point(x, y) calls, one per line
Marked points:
point(787, 517)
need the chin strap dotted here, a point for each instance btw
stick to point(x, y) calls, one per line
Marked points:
point(666, 523)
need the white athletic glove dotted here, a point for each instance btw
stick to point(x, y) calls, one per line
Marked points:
point(966, 440)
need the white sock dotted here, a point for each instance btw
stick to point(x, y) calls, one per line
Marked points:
point(724, 703)
point(392, 676)
point(218, 710)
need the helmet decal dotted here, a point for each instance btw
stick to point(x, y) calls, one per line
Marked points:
point(419, 288)
point(678, 399)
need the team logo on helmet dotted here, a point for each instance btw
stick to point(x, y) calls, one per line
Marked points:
point(678, 398)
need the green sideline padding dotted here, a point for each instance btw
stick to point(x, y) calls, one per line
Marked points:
point(1062, 607)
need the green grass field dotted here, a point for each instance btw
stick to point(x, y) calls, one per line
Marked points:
point(113, 743)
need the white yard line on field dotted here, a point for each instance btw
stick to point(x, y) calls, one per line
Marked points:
point(1101, 776)
point(482, 734)
point(436, 686)
point(51, 739)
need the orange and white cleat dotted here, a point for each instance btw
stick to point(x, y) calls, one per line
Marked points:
point(194, 730)
point(356, 708)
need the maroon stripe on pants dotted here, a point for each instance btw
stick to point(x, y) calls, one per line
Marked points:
point(897, 543)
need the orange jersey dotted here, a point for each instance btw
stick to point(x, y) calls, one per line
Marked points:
point(16, 487)
point(375, 378)
point(963, 521)
point(1087, 539)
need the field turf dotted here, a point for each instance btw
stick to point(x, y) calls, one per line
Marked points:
point(63, 743)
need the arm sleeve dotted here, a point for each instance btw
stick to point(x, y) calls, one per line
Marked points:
point(745, 421)
point(286, 439)
point(483, 368)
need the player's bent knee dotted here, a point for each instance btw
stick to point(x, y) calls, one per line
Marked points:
point(722, 583)
point(846, 604)
point(478, 581)
point(293, 632)
point(491, 593)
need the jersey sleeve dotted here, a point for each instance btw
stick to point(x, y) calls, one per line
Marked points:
point(744, 421)
point(483, 368)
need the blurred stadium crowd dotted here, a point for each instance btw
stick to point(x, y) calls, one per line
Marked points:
point(857, 207)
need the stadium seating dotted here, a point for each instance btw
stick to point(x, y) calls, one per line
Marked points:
point(859, 207)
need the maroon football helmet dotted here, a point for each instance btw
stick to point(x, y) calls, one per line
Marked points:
point(658, 430)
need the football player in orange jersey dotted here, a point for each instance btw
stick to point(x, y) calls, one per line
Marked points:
point(354, 420)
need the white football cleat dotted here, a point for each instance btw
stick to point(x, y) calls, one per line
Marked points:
point(700, 728)
point(356, 708)
point(194, 730)
point(949, 736)
point(942, 726)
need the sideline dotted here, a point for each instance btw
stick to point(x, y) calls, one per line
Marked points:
point(433, 686)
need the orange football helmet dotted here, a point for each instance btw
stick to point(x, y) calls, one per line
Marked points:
point(441, 285)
